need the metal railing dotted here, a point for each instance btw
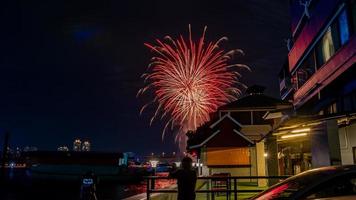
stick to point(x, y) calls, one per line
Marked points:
point(231, 186)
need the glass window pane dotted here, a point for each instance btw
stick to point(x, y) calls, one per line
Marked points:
point(340, 186)
point(258, 117)
point(327, 46)
point(353, 13)
point(242, 117)
point(306, 70)
point(344, 27)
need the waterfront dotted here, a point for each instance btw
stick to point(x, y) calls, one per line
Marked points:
point(20, 184)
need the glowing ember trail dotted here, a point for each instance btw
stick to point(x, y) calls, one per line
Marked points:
point(190, 80)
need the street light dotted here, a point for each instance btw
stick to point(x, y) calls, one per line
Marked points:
point(153, 165)
point(177, 164)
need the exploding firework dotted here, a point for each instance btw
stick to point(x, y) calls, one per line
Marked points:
point(190, 80)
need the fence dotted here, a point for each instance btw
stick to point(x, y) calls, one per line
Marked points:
point(225, 184)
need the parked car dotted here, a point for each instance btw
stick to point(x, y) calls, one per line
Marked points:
point(335, 182)
point(163, 167)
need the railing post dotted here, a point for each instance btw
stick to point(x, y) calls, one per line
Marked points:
point(235, 189)
point(227, 188)
point(148, 189)
point(208, 188)
point(153, 183)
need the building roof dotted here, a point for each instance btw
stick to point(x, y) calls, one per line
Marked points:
point(211, 129)
point(253, 101)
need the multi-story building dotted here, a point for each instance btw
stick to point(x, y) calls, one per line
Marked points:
point(319, 78)
point(77, 145)
point(63, 148)
point(86, 146)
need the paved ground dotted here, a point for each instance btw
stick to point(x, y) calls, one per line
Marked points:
point(202, 196)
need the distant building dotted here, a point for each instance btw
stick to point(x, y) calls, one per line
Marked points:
point(77, 145)
point(63, 148)
point(86, 146)
point(29, 148)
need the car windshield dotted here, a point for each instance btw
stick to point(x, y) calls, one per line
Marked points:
point(290, 186)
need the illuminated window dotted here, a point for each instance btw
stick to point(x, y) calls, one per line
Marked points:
point(327, 46)
point(344, 27)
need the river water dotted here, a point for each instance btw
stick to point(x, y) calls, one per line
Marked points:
point(19, 185)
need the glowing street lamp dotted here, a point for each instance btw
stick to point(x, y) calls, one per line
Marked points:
point(177, 164)
point(153, 165)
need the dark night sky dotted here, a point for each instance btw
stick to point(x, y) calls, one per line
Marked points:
point(71, 68)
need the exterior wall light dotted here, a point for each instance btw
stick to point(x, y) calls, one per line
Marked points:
point(293, 135)
point(300, 130)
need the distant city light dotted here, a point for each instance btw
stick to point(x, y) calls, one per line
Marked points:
point(77, 145)
point(12, 165)
point(63, 148)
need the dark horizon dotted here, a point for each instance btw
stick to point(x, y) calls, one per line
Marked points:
point(72, 69)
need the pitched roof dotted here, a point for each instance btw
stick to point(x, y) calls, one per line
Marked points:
point(209, 130)
point(224, 117)
point(254, 101)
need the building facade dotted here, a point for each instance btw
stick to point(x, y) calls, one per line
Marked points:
point(319, 78)
point(232, 142)
point(86, 146)
point(77, 145)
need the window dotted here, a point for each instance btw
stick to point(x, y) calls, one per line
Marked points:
point(258, 117)
point(347, 103)
point(332, 108)
point(294, 81)
point(343, 27)
point(353, 14)
point(242, 117)
point(325, 48)
point(344, 185)
point(335, 36)
point(291, 186)
point(306, 70)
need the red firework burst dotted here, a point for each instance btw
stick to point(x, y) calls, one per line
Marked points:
point(190, 80)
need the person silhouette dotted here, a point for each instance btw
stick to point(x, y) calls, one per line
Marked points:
point(88, 187)
point(186, 177)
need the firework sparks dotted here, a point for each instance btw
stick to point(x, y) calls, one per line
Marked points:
point(190, 80)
